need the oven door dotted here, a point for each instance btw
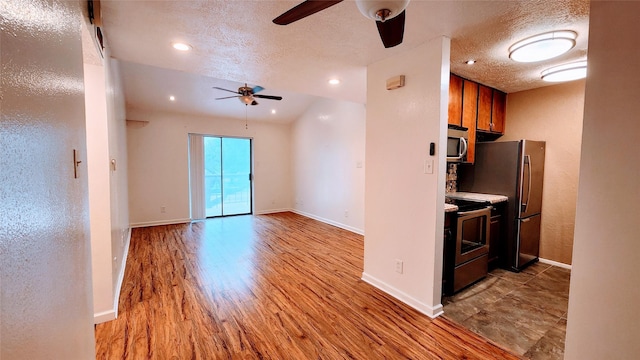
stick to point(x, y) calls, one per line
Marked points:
point(472, 234)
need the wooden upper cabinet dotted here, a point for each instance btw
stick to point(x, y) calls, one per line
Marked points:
point(455, 100)
point(485, 98)
point(469, 114)
point(498, 110)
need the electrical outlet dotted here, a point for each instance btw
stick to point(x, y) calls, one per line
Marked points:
point(163, 209)
point(399, 266)
point(346, 213)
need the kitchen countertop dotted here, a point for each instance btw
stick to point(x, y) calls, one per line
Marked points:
point(450, 208)
point(494, 199)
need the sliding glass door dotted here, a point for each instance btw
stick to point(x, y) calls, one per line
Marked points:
point(227, 176)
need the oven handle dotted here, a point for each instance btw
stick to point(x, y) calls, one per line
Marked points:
point(474, 212)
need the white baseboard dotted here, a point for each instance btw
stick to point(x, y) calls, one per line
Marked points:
point(555, 263)
point(328, 221)
point(431, 311)
point(271, 211)
point(159, 222)
point(125, 256)
point(104, 316)
point(112, 314)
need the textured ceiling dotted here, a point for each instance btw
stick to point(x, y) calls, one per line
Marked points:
point(234, 41)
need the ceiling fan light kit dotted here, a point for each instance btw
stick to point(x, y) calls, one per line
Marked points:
point(389, 16)
point(543, 46)
point(381, 10)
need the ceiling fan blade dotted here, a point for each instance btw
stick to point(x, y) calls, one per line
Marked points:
point(302, 10)
point(228, 97)
point(270, 97)
point(254, 102)
point(392, 30)
point(235, 92)
point(257, 88)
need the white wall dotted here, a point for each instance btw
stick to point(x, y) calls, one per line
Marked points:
point(553, 114)
point(158, 163)
point(118, 175)
point(45, 257)
point(604, 295)
point(108, 205)
point(327, 157)
point(99, 200)
point(404, 213)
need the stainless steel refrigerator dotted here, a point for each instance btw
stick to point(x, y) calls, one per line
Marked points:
point(514, 169)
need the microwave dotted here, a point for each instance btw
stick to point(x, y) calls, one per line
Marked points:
point(457, 143)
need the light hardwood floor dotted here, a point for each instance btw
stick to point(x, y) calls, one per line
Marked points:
point(278, 286)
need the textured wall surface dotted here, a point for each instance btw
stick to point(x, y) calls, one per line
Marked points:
point(404, 206)
point(46, 307)
point(327, 161)
point(604, 295)
point(158, 163)
point(553, 114)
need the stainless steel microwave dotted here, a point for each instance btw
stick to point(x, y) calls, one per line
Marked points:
point(457, 144)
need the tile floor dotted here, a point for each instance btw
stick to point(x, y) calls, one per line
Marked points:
point(525, 312)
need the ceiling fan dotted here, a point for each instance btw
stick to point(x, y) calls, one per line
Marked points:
point(388, 14)
point(247, 95)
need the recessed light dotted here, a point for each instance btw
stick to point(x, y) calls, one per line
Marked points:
point(273, 111)
point(181, 46)
point(566, 72)
point(172, 98)
point(542, 47)
point(334, 81)
point(470, 62)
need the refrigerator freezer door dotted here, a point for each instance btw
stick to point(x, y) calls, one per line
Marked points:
point(531, 178)
point(528, 240)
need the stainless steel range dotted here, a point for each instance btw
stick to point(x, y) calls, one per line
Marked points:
point(467, 250)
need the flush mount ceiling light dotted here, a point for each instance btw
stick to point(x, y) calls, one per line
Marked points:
point(542, 47)
point(181, 46)
point(172, 98)
point(566, 72)
point(334, 81)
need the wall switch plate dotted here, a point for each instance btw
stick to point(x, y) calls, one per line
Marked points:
point(428, 166)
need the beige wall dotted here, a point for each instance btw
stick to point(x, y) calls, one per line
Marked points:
point(604, 295)
point(404, 206)
point(159, 163)
point(553, 114)
point(327, 157)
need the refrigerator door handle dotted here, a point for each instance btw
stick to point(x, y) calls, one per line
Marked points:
point(527, 164)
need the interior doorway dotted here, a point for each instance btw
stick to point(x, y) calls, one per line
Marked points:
point(227, 176)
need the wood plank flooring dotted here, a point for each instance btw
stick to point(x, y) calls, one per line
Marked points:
point(279, 286)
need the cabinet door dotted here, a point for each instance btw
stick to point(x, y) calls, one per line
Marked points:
point(455, 100)
point(499, 105)
point(469, 115)
point(485, 97)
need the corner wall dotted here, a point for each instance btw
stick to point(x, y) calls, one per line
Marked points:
point(553, 114)
point(404, 213)
point(604, 294)
point(158, 163)
point(107, 175)
point(328, 163)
